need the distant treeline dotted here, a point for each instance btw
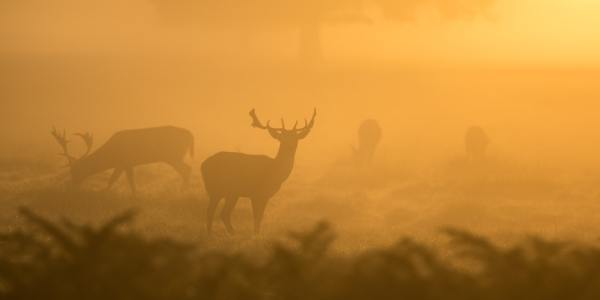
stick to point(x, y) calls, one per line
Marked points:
point(62, 260)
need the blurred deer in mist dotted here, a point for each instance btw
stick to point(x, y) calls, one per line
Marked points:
point(476, 143)
point(369, 136)
point(232, 175)
point(127, 149)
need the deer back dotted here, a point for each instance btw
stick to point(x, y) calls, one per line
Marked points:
point(230, 173)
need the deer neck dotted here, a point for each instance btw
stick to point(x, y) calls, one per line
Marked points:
point(284, 161)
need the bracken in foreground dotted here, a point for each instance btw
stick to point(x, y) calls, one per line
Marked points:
point(62, 260)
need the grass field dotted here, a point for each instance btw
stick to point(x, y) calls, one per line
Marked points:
point(497, 230)
point(367, 207)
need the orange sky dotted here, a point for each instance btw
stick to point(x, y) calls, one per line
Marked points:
point(530, 32)
point(160, 73)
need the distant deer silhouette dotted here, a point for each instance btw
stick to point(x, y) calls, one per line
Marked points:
point(127, 149)
point(476, 143)
point(232, 175)
point(369, 136)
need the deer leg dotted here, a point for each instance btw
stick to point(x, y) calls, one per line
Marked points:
point(230, 203)
point(210, 212)
point(114, 177)
point(131, 179)
point(258, 210)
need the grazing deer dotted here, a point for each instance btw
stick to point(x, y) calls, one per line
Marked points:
point(127, 149)
point(232, 175)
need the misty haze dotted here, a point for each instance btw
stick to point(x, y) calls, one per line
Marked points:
point(300, 149)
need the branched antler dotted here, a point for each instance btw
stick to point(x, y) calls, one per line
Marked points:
point(88, 139)
point(304, 131)
point(61, 139)
point(276, 132)
point(255, 121)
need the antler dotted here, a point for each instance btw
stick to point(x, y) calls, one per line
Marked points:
point(301, 132)
point(255, 122)
point(61, 139)
point(88, 139)
point(274, 132)
point(258, 124)
point(308, 125)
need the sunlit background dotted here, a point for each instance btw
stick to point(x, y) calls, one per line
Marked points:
point(526, 71)
point(520, 33)
point(441, 79)
point(426, 71)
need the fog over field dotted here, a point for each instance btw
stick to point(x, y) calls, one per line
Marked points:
point(483, 117)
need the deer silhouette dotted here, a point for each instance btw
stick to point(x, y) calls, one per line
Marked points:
point(127, 149)
point(232, 175)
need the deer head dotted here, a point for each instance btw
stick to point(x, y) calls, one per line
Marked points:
point(72, 162)
point(282, 134)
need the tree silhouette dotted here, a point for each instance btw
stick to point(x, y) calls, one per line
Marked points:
point(309, 16)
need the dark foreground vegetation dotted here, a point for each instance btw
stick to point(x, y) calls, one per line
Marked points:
point(61, 260)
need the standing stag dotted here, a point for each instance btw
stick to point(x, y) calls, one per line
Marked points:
point(232, 175)
point(127, 149)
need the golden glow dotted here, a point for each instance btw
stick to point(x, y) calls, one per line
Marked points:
point(529, 32)
point(520, 77)
point(539, 32)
